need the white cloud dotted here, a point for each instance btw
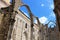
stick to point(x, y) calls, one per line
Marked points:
point(51, 6)
point(42, 20)
point(35, 21)
point(42, 5)
point(51, 24)
point(52, 15)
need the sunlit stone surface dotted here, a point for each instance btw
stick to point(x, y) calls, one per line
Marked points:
point(4, 3)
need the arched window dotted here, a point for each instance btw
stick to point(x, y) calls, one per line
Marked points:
point(26, 25)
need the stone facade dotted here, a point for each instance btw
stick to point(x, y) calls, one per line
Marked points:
point(15, 25)
point(21, 31)
point(53, 34)
point(19, 26)
point(4, 3)
point(57, 12)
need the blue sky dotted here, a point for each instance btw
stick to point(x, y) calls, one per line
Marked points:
point(43, 9)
